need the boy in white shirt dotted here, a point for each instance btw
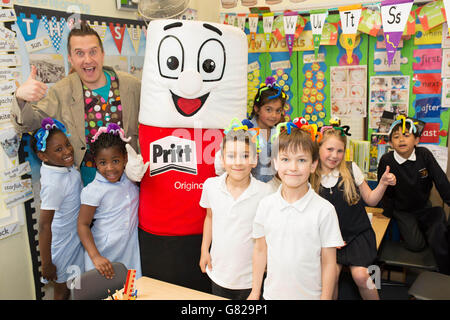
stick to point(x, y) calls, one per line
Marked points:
point(296, 230)
point(231, 201)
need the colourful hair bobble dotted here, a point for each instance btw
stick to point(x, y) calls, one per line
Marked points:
point(335, 123)
point(245, 125)
point(402, 119)
point(47, 125)
point(112, 128)
point(299, 123)
point(270, 83)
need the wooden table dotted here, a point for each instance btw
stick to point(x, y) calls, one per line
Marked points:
point(152, 289)
point(379, 223)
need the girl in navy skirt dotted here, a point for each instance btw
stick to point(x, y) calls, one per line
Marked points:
point(343, 184)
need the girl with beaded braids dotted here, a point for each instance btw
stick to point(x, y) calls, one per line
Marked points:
point(61, 185)
point(343, 184)
point(111, 202)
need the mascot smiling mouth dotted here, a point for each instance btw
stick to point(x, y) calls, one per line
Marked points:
point(188, 107)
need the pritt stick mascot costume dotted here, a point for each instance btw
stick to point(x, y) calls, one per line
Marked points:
point(193, 83)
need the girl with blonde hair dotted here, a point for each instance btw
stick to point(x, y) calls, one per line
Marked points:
point(343, 184)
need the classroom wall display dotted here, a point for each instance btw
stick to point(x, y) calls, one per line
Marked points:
point(411, 53)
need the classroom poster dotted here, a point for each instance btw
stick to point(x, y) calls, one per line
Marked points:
point(445, 73)
point(387, 93)
point(445, 100)
point(348, 91)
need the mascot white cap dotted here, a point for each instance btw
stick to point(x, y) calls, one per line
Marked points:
point(194, 82)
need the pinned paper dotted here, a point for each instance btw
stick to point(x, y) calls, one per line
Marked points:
point(16, 186)
point(135, 36)
point(28, 26)
point(7, 87)
point(7, 15)
point(267, 26)
point(10, 142)
point(241, 18)
point(9, 45)
point(232, 19)
point(433, 36)
point(9, 230)
point(431, 14)
point(9, 60)
point(55, 30)
point(6, 101)
point(428, 107)
point(18, 171)
point(394, 14)
point(445, 101)
point(317, 19)
point(5, 115)
point(431, 133)
point(290, 24)
point(38, 44)
point(17, 199)
point(7, 34)
point(427, 59)
point(427, 83)
point(117, 33)
point(253, 27)
point(350, 16)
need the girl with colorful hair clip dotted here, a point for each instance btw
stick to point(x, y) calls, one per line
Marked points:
point(111, 203)
point(343, 184)
point(60, 246)
point(267, 112)
point(231, 200)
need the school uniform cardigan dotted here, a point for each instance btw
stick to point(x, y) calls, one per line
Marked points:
point(64, 102)
point(414, 181)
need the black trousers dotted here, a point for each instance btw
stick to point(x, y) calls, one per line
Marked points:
point(233, 294)
point(174, 259)
point(426, 226)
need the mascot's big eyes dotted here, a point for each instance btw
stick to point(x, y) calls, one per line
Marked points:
point(173, 63)
point(211, 60)
point(170, 57)
point(209, 65)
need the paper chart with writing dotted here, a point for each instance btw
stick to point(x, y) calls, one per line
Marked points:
point(387, 93)
point(348, 91)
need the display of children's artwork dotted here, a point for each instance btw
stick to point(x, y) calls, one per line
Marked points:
point(387, 93)
point(348, 91)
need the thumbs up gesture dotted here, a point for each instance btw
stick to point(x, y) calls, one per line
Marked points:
point(388, 178)
point(32, 89)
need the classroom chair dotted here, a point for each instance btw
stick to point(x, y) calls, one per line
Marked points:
point(393, 253)
point(94, 286)
point(431, 286)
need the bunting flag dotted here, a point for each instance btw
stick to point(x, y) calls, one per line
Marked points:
point(370, 22)
point(290, 24)
point(100, 29)
point(241, 18)
point(55, 30)
point(317, 19)
point(28, 26)
point(447, 12)
point(431, 15)
point(253, 27)
point(394, 14)
point(135, 36)
point(73, 22)
point(301, 23)
point(350, 16)
point(117, 33)
point(267, 26)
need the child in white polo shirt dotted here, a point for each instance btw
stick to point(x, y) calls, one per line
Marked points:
point(231, 201)
point(296, 230)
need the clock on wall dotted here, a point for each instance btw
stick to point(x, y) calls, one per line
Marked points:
point(127, 5)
